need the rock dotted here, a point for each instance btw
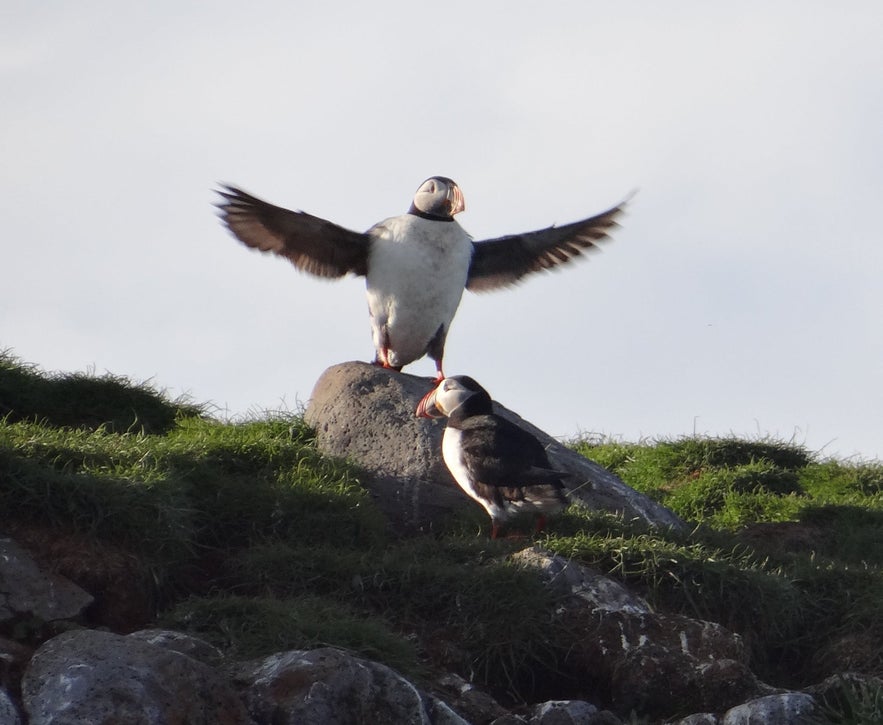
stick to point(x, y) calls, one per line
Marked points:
point(90, 676)
point(27, 592)
point(590, 588)
point(366, 414)
point(9, 714)
point(13, 659)
point(840, 692)
point(790, 708)
point(643, 660)
point(186, 644)
point(652, 678)
point(440, 713)
point(702, 718)
point(120, 583)
point(473, 704)
point(563, 712)
point(849, 652)
point(332, 687)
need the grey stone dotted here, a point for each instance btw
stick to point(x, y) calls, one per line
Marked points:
point(648, 661)
point(842, 687)
point(27, 591)
point(367, 414)
point(186, 644)
point(9, 714)
point(88, 676)
point(569, 578)
point(474, 704)
point(333, 687)
point(563, 712)
point(790, 708)
point(14, 658)
point(700, 718)
point(440, 713)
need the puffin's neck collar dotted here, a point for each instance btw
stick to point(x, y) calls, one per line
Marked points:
point(426, 215)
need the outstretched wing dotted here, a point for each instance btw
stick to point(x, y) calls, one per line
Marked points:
point(505, 260)
point(311, 244)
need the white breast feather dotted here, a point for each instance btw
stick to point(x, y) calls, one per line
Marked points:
point(452, 456)
point(416, 275)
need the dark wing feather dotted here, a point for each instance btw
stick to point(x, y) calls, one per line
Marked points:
point(504, 455)
point(504, 261)
point(312, 244)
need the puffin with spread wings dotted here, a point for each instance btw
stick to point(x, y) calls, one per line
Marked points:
point(416, 265)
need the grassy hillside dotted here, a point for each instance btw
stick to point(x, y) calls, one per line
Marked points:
point(244, 534)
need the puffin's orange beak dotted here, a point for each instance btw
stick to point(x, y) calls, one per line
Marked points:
point(426, 407)
point(456, 202)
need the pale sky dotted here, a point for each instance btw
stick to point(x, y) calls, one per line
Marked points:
point(743, 294)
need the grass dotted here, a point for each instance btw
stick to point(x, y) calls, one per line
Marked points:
point(79, 400)
point(245, 535)
point(787, 550)
point(246, 627)
point(850, 701)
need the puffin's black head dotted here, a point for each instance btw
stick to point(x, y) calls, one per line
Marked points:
point(459, 393)
point(438, 198)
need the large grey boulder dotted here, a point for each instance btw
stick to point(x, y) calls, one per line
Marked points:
point(563, 712)
point(333, 687)
point(788, 708)
point(28, 592)
point(89, 676)
point(644, 660)
point(366, 414)
point(185, 644)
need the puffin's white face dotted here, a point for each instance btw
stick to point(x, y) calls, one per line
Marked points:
point(450, 394)
point(439, 196)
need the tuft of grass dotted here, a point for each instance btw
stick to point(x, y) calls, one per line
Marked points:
point(251, 627)
point(787, 553)
point(850, 701)
point(456, 595)
point(78, 400)
point(727, 497)
point(181, 499)
point(727, 483)
point(659, 467)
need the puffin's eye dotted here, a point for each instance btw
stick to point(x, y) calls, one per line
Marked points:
point(431, 187)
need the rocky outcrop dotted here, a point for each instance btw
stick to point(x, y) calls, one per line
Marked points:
point(332, 687)
point(366, 414)
point(644, 661)
point(89, 676)
point(623, 652)
point(788, 708)
point(31, 596)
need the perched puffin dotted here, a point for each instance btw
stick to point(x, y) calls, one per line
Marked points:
point(417, 264)
point(498, 464)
